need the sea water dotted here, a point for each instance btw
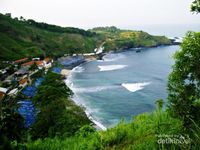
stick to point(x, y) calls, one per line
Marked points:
point(123, 84)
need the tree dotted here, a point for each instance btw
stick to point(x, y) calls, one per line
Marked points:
point(184, 81)
point(33, 67)
point(11, 124)
point(8, 15)
point(195, 7)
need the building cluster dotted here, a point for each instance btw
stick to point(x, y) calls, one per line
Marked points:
point(17, 74)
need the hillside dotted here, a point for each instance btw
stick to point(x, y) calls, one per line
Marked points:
point(119, 39)
point(24, 38)
point(140, 134)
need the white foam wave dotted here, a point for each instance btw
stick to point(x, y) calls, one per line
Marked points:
point(88, 112)
point(112, 57)
point(97, 123)
point(78, 69)
point(92, 89)
point(78, 101)
point(133, 87)
point(111, 67)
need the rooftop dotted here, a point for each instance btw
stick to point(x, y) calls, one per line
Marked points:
point(28, 63)
point(47, 59)
point(39, 63)
point(1, 95)
point(4, 90)
point(21, 60)
point(22, 81)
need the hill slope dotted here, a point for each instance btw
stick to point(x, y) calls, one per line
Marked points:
point(21, 38)
point(28, 38)
point(120, 39)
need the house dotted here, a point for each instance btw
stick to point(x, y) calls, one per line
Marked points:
point(1, 96)
point(23, 82)
point(48, 63)
point(22, 71)
point(21, 60)
point(4, 90)
point(28, 64)
point(35, 58)
point(40, 64)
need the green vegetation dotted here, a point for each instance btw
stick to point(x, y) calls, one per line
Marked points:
point(184, 83)
point(119, 39)
point(58, 115)
point(142, 133)
point(195, 7)
point(63, 125)
point(175, 128)
point(28, 38)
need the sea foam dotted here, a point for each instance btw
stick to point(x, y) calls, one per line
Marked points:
point(78, 69)
point(133, 87)
point(111, 67)
point(93, 89)
point(113, 57)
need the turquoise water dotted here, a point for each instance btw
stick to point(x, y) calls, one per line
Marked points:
point(123, 84)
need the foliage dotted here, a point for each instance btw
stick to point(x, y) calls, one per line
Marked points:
point(11, 124)
point(119, 39)
point(184, 85)
point(28, 38)
point(58, 115)
point(21, 38)
point(139, 134)
point(195, 7)
point(33, 67)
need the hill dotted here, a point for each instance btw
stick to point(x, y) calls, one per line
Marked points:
point(121, 39)
point(28, 38)
point(25, 38)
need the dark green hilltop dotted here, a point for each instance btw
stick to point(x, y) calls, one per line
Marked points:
point(24, 38)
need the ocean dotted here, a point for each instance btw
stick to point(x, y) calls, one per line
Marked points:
point(123, 84)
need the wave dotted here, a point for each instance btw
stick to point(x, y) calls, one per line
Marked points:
point(88, 112)
point(92, 89)
point(78, 101)
point(111, 67)
point(78, 69)
point(133, 87)
point(97, 123)
point(113, 57)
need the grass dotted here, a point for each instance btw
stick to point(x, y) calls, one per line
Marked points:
point(141, 133)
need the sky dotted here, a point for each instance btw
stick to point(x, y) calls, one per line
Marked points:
point(93, 13)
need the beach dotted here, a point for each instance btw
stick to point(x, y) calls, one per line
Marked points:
point(123, 84)
point(68, 75)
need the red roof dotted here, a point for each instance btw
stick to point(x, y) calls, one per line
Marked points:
point(22, 81)
point(28, 63)
point(47, 59)
point(21, 60)
point(39, 63)
point(1, 95)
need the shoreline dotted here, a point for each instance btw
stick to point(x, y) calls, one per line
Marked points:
point(97, 125)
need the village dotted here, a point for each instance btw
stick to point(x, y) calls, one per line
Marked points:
point(19, 73)
point(16, 75)
point(21, 78)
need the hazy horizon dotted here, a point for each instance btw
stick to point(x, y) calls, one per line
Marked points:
point(93, 13)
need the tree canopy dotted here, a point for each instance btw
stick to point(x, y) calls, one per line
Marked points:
point(184, 81)
point(195, 7)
